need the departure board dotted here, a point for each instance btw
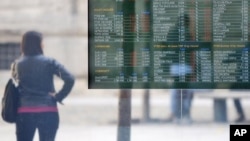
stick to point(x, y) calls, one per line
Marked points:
point(189, 44)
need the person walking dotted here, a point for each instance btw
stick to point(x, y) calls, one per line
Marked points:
point(34, 73)
point(181, 99)
point(240, 111)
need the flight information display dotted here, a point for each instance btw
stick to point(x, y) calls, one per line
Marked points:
point(188, 44)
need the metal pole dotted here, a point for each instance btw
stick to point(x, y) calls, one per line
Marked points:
point(124, 115)
point(124, 123)
point(146, 106)
point(181, 104)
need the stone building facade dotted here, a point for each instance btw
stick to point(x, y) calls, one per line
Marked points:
point(63, 23)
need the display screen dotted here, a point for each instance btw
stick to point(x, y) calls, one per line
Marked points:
point(190, 44)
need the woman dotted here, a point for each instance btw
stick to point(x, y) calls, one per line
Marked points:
point(38, 99)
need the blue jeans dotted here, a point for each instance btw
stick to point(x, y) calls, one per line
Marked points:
point(181, 103)
point(46, 123)
point(239, 108)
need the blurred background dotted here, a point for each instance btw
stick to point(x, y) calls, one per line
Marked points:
point(90, 114)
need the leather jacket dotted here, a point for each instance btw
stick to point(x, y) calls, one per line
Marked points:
point(34, 75)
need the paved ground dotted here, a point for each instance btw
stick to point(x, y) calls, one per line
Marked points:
point(142, 132)
point(91, 115)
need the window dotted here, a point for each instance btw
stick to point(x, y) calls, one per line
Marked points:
point(8, 53)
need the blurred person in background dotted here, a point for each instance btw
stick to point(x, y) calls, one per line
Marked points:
point(181, 99)
point(239, 109)
point(34, 73)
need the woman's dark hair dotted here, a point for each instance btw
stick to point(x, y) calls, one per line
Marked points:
point(31, 43)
